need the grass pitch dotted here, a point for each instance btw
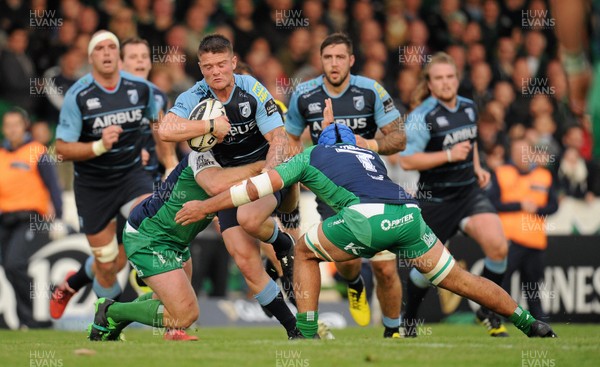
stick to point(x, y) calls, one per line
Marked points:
point(442, 345)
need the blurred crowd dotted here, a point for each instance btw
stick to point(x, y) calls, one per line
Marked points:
point(506, 52)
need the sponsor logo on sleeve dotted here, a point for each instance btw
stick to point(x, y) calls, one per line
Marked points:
point(270, 107)
point(380, 90)
point(260, 92)
point(388, 105)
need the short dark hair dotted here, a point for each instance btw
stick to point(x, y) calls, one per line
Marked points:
point(338, 39)
point(214, 43)
point(133, 41)
point(21, 112)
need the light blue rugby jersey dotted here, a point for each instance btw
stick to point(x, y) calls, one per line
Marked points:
point(364, 106)
point(89, 108)
point(252, 113)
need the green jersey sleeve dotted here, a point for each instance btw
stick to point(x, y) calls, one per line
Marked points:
point(293, 170)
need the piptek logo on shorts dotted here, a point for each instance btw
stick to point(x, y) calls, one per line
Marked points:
point(387, 224)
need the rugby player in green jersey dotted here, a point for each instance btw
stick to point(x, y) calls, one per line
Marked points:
point(158, 248)
point(373, 214)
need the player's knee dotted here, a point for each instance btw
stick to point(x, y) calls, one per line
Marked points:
point(249, 222)
point(107, 253)
point(497, 249)
point(385, 273)
point(248, 266)
point(349, 269)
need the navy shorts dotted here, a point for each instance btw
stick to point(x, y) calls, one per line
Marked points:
point(444, 218)
point(99, 201)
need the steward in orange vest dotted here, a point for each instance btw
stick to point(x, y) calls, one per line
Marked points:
point(28, 184)
point(524, 194)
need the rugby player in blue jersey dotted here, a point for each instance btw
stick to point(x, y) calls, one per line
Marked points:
point(257, 133)
point(442, 134)
point(100, 129)
point(372, 214)
point(363, 105)
point(135, 59)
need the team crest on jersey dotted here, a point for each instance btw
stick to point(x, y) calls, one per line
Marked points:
point(133, 96)
point(244, 109)
point(469, 111)
point(442, 121)
point(359, 102)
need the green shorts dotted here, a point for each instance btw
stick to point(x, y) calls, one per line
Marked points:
point(152, 256)
point(366, 229)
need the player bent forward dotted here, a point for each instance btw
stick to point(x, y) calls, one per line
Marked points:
point(373, 214)
point(158, 249)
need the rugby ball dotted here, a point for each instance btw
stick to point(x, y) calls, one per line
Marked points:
point(205, 110)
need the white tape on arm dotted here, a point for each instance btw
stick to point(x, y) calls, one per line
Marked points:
point(263, 184)
point(98, 147)
point(239, 194)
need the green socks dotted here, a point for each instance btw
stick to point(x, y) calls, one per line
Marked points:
point(306, 322)
point(522, 319)
point(148, 312)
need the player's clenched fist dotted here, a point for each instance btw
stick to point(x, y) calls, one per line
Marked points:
point(460, 151)
point(110, 135)
point(222, 127)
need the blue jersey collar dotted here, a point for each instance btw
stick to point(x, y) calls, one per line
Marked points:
point(322, 80)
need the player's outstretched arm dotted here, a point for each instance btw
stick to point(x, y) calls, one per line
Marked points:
point(215, 180)
point(77, 151)
point(248, 191)
point(175, 129)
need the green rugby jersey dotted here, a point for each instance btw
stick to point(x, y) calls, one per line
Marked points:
point(155, 216)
